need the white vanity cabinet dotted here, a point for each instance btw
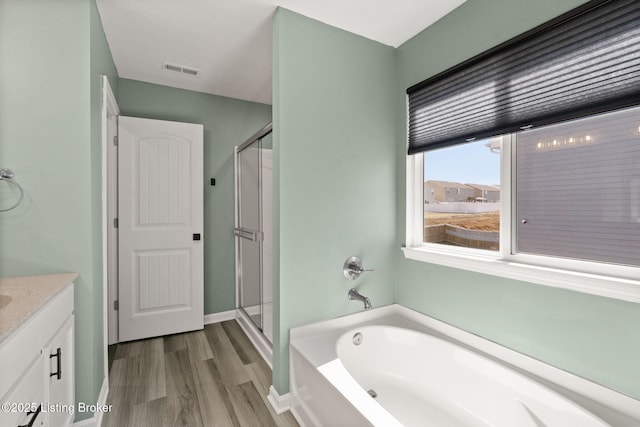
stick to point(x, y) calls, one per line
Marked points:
point(59, 356)
point(25, 399)
point(37, 355)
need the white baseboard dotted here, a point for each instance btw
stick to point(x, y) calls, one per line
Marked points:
point(280, 403)
point(96, 420)
point(223, 316)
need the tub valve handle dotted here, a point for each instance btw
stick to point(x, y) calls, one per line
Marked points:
point(353, 268)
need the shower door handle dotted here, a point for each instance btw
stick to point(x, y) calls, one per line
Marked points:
point(245, 233)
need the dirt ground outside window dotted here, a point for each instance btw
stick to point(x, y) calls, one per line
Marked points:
point(489, 221)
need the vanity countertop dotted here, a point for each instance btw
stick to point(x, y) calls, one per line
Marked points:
point(21, 297)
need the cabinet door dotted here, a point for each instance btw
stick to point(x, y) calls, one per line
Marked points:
point(25, 400)
point(60, 359)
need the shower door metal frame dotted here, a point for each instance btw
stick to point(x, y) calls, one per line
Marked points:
point(256, 136)
point(243, 233)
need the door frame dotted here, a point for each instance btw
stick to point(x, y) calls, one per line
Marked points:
point(110, 110)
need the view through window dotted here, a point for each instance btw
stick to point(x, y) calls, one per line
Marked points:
point(462, 195)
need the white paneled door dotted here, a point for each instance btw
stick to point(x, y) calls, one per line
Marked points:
point(160, 222)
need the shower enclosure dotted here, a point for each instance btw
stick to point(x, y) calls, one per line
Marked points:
point(253, 231)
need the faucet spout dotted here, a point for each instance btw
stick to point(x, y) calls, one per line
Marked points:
point(354, 295)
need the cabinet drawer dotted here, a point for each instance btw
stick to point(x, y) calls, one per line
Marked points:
point(25, 397)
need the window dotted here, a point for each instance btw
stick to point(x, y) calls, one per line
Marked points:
point(577, 192)
point(568, 195)
point(558, 105)
point(471, 218)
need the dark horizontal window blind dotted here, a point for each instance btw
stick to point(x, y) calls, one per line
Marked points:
point(584, 62)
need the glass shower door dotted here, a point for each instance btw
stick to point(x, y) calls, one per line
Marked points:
point(248, 232)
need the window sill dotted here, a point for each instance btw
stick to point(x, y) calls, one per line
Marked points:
point(601, 285)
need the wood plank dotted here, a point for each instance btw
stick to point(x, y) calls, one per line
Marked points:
point(215, 405)
point(260, 375)
point(198, 346)
point(242, 345)
point(183, 408)
point(248, 406)
point(151, 371)
point(174, 342)
point(231, 367)
point(152, 413)
point(127, 349)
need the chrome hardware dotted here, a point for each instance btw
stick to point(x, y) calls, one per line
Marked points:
point(354, 295)
point(524, 221)
point(357, 338)
point(7, 175)
point(353, 269)
point(245, 233)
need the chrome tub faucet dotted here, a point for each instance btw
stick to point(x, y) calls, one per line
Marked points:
point(353, 269)
point(354, 295)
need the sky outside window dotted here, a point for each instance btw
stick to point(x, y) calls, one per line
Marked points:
point(472, 163)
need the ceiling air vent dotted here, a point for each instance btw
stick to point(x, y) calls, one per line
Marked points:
point(180, 69)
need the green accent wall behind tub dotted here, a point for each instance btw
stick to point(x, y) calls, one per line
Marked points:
point(334, 174)
point(596, 338)
point(227, 122)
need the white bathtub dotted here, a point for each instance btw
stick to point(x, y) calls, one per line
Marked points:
point(425, 373)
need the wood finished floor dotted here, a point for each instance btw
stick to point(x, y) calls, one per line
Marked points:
point(213, 377)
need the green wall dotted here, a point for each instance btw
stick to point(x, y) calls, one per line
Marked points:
point(594, 337)
point(227, 123)
point(334, 174)
point(52, 55)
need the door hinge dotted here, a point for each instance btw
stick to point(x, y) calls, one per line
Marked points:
point(115, 140)
point(116, 305)
point(115, 222)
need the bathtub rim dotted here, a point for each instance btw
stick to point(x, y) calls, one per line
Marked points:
point(588, 394)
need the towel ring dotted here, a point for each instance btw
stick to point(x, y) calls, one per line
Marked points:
point(7, 175)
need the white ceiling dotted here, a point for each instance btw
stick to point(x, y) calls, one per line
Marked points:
point(229, 41)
